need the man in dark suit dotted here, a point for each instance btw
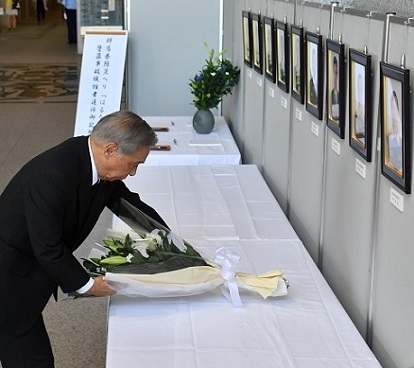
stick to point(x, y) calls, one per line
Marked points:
point(46, 212)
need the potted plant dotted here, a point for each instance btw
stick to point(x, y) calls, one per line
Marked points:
point(216, 79)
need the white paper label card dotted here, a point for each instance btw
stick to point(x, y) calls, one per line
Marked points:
point(336, 146)
point(315, 128)
point(298, 114)
point(397, 199)
point(360, 168)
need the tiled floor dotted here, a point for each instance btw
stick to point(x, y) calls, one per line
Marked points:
point(39, 82)
point(38, 94)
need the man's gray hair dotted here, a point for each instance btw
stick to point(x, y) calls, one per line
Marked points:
point(125, 128)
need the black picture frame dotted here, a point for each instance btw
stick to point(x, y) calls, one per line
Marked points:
point(297, 64)
point(314, 74)
point(395, 125)
point(335, 87)
point(360, 105)
point(269, 48)
point(282, 56)
point(257, 38)
point(247, 38)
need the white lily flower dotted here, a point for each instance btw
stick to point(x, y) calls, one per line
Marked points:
point(172, 238)
point(155, 235)
point(141, 246)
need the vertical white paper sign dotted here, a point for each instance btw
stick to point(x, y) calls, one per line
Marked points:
point(101, 78)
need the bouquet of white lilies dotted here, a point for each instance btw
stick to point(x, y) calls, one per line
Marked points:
point(152, 261)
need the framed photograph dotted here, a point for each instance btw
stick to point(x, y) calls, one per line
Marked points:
point(247, 38)
point(360, 107)
point(282, 56)
point(314, 74)
point(395, 125)
point(336, 87)
point(257, 43)
point(298, 64)
point(269, 49)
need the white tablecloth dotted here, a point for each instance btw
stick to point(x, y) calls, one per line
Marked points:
point(213, 202)
point(232, 207)
point(190, 148)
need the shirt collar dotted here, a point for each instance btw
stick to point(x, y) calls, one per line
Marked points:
point(95, 177)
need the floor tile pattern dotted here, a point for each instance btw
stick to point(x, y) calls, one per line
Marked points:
point(39, 82)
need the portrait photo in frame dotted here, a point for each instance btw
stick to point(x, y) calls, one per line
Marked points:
point(314, 74)
point(335, 85)
point(298, 64)
point(395, 125)
point(282, 56)
point(257, 37)
point(360, 106)
point(269, 49)
point(247, 38)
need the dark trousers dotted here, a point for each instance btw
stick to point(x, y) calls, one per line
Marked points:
point(40, 11)
point(72, 25)
point(30, 350)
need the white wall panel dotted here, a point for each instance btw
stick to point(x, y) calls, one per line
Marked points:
point(253, 99)
point(277, 122)
point(393, 320)
point(349, 206)
point(233, 105)
point(305, 207)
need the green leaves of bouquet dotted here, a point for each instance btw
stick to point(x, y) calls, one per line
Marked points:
point(155, 253)
point(215, 80)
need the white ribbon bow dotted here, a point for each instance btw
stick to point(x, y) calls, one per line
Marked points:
point(228, 260)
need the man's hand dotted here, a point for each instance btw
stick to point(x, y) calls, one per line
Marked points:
point(101, 288)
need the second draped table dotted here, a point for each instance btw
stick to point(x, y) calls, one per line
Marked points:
point(187, 147)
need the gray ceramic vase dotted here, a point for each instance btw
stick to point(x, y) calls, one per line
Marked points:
point(203, 121)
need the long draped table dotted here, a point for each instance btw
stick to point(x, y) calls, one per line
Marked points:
point(232, 207)
point(187, 147)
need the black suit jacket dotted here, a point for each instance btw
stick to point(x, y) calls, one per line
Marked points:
point(46, 212)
